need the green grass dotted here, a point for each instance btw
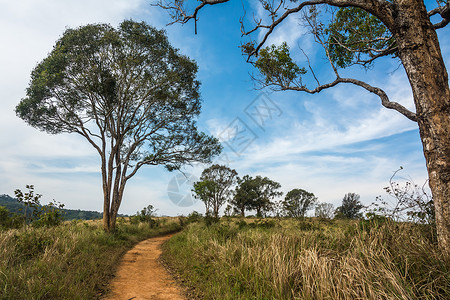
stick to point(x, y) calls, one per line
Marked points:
point(311, 259)
point(74, 260)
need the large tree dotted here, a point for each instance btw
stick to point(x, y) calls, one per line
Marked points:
point(214, 187)
point(129, 93)
point(359, 32)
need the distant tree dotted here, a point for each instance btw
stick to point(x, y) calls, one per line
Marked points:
point(214, 187)
point(147, 215)
point(297, 202)
point(350, 208)
point(278, 208)
point(204, 191)
point(129, 93)
point(245, 191)
point(324, 210)
point(266, 190)
point(147, 212)
point(228, 211)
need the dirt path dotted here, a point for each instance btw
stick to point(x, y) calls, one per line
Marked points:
point(141, 276)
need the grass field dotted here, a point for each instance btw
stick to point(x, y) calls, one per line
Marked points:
point(74, 260)
point(309, 259)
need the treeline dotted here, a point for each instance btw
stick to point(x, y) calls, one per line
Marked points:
point(220, 185)
point(16, 208)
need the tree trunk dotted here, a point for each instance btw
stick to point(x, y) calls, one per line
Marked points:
point(106, 197)
point(112, 192)
point(420, 53)
point(243, 212)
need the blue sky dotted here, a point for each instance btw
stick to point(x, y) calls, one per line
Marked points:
point(341, 140)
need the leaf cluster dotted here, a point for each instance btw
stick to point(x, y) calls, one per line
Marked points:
point(356, 37)
point(276, 65)
point(255, 193)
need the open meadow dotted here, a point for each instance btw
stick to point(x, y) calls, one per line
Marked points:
point(309, 259)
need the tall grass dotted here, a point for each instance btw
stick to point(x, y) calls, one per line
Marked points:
point(72, 261)
point(309, 260)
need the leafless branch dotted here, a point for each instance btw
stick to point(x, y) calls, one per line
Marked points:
point(444, 12)
point(310, 68)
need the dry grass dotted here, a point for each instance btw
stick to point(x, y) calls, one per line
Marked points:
point(310, 260)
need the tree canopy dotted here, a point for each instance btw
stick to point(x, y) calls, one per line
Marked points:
point(245, 192)
point(350, 208)
point(214, 187)
point(129, 93)
point(298, 201)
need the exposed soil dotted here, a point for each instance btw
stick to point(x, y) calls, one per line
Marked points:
point(141, 276)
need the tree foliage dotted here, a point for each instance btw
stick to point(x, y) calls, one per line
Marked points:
point(50, 214)
point(298, 201)
point(276, 65)
point(215, 187)
point(245, 191)
point(350, 208)
point(129, 93)
point(255, 194)
point(324, 210)
point(357, 37)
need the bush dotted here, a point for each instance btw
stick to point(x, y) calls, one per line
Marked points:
point(37, 214)
point(49, 215)
point(194, 217)
point(9, 220)
point(146, 215)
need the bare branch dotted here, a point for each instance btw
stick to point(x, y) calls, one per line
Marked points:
point(181, 15)
point(310, 68)
point(444, 12)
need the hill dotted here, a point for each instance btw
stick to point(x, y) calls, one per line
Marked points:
point(13, 206)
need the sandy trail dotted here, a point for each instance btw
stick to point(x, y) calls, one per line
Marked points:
point(141, 276)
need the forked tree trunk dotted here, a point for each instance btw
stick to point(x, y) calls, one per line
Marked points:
point(420, 53)
point(106, 197)
point(112, 193)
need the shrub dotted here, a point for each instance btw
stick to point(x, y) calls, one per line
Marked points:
point(37, 214)
point(194, 217)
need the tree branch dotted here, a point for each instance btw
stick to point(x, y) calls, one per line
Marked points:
point(444, 12)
